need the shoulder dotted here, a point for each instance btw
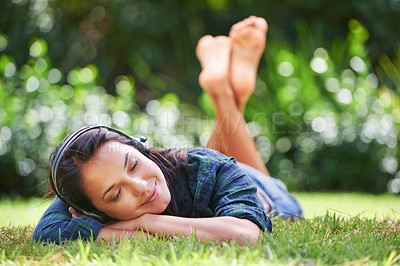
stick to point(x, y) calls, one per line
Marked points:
point(222, 188)
point(208, 156)
point(211, 166)
point(206, 163)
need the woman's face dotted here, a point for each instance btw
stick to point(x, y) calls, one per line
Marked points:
point(123, 183)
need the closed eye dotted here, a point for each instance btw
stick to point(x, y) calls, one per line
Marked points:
point(134, 165)
point(117, 196)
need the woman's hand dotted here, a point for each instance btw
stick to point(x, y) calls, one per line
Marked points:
point(122, 229)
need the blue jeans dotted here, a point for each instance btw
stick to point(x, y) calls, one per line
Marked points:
point(284, 204)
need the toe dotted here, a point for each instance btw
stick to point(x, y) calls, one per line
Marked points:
point(238, 26)
point(252, 21)
point(234, 28)
point(204, 42)
point(222, 39)
point(261, 24)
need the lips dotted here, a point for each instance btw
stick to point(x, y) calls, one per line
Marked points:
point(153, 195)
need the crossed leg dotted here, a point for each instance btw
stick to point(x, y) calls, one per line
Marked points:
point(228, 76)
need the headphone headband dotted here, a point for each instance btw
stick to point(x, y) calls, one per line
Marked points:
point(71, 138)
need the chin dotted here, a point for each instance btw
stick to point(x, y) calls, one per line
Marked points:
point(160, 209)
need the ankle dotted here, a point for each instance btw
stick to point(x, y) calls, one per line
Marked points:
point(215, 83)
point(219, 95)
point(221, 102)
point(242, 106)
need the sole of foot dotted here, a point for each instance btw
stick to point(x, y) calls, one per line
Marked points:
point(248, 43)
point(214, 56)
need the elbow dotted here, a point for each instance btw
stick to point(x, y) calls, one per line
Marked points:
point(52, 234)
point(37, 237)
point(44, 236)
point(251, 237)
point(248, 234)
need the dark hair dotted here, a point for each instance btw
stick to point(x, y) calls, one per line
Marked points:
point(69, 175)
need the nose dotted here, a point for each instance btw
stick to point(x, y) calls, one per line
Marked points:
point(138, 186)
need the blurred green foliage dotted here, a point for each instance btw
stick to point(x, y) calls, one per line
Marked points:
point(155, 40)
point(325, 119)
point(41, 104)
point(325, 113)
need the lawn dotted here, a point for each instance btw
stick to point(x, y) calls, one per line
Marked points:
point(339, 228)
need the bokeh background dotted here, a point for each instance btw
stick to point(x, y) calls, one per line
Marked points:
point(325, 113)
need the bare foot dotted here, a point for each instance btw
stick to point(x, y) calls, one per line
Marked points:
point(248, 43)
point(214, 56)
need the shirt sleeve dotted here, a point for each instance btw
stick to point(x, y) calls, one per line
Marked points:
point(57, 225)
point(235, 195)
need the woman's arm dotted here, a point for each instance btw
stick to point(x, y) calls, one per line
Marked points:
point(222, 228)
point(109, 234)
point(57, 225)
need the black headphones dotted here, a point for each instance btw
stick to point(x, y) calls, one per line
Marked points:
point(70, 139)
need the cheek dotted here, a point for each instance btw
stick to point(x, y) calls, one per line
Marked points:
point(123, 209)
point(166, 197)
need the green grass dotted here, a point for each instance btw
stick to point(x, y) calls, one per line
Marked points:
point(350, 204)
point(364, 229)
point(22, 212)
point(314, 204)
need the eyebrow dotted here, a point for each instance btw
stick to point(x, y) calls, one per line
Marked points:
point(126, 159)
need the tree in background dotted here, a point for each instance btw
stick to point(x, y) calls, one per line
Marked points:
point(325, 112)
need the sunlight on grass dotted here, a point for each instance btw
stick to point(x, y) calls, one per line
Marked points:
point(329, 239)
point(28, 212)
point(22, 212)
point(365, 205)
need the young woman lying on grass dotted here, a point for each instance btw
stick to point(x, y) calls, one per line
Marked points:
point(111, 185)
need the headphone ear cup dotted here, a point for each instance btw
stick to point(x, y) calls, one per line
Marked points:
point(140, 144)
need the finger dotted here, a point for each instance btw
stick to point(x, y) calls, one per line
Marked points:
point(72, 210)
